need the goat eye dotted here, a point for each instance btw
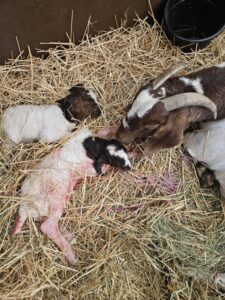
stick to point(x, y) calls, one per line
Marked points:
point(161, 92)
point(125, 123)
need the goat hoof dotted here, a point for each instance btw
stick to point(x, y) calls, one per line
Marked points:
point(72, 259)
point(220, 281)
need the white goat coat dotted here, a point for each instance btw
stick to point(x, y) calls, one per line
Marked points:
point(54, 177)
point(46, 190)
point(26, 123)
point(208, 145)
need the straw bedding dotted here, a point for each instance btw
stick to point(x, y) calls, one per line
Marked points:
point(164, 241)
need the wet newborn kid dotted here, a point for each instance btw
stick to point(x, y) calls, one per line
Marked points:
point(45, 190)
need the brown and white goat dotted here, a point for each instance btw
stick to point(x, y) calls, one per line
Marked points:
point(166, 106)
point(49, 123)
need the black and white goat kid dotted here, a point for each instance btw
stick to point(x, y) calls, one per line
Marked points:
point(46, 190)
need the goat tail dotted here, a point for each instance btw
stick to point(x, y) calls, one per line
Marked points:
point(21, 218)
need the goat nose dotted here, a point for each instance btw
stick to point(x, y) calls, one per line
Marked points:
point(117, 135)
point(98, 113)
point(120, 136)
point(123, 139)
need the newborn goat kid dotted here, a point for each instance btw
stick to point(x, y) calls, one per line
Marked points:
point(45, 191)
point(48, 123)
point(165, 107)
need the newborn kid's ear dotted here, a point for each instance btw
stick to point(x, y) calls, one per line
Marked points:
point(98, 164)
point(76, 87)
point(61, 101)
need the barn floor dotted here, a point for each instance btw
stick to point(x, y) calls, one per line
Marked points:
point(165, 241)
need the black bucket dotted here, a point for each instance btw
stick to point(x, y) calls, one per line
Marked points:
point(193, 24)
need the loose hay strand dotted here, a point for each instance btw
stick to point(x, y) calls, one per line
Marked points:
point(131, 243)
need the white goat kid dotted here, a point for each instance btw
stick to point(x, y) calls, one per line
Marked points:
point(49, 123)
point(28, 123)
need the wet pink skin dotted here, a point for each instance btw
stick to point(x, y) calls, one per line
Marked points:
point(54, 196)
point(50, 224)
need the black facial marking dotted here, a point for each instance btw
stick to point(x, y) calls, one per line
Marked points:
point(96, 149)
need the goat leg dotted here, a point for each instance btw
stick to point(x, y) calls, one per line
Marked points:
point(66, 233)
point(21, 218)
point(220, 281)
point(50, 227)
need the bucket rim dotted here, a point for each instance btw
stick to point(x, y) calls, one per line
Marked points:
point(191, 40)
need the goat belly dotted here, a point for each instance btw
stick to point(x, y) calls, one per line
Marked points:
point(46, 193)
point(46, 189)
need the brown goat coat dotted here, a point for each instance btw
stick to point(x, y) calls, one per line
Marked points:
point(165, 129)
point(168, 135)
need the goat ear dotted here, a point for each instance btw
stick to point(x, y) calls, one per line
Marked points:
point(76, 87)
point(151, 127)
point(60, 101)
point(159, 110)
point(157, 114)
point(163, 139)
point(161, 92)
point(98, 164)
point(169, 134)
